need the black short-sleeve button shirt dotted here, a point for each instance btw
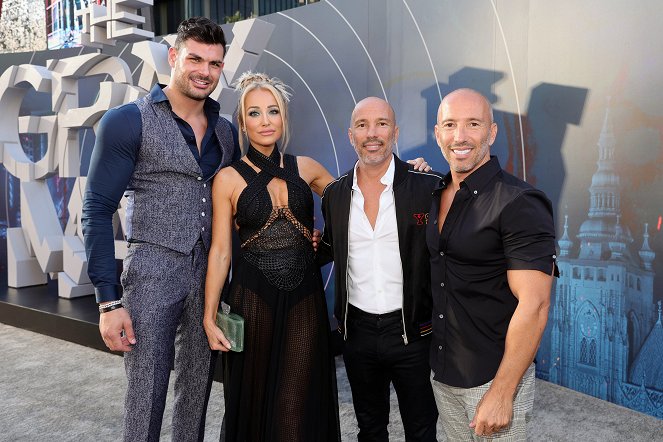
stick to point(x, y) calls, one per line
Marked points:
point(496, 223)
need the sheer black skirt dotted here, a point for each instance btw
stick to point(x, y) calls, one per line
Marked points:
point(282, 387)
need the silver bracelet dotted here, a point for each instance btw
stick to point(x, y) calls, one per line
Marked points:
point(107, 305)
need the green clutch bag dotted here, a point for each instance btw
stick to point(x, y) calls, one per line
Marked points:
point(232, 326)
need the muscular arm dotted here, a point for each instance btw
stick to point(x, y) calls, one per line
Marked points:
point(219, 257)
point(111, 166)
point(532, 288)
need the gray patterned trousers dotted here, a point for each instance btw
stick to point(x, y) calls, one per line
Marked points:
point(164, 293)
point(457, 407)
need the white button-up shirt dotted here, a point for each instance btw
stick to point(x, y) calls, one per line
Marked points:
point(375, 272)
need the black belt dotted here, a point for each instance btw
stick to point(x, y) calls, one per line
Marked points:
point(359, 313)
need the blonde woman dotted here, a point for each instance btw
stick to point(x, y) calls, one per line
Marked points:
point(282, 387)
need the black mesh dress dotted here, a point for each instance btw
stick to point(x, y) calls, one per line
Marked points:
point(282, 387)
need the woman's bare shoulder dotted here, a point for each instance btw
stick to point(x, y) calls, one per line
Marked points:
point(228, 177)
point(228, 172)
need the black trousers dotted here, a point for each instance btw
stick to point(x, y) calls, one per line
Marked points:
point(375, 356)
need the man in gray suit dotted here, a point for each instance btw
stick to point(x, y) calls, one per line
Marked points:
point(161, 152)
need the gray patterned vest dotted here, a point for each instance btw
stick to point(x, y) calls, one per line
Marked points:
point(169, 201)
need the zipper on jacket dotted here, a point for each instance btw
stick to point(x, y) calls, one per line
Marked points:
point(404, 336)
point(347, 266)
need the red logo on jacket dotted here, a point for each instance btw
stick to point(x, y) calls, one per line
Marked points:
point(422, 218)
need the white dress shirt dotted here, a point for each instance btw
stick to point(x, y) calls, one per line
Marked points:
point(375, 273)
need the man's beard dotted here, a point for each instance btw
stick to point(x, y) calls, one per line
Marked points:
point(185, 87)
point(474, 160)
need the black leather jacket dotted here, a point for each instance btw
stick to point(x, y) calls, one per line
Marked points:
point(412, 196)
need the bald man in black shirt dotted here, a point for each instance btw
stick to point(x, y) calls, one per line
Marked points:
point(492, 247)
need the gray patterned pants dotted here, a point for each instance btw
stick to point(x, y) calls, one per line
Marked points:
point(164, 293)
point(457, 407)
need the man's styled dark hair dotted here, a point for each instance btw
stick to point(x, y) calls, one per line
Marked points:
point(202, 30)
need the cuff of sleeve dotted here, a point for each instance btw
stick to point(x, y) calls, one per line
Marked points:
point(107, 293)
point(545, 265)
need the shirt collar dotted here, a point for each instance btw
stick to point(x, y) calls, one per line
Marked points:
point(387, 179)
point(477, 179)
point(210, 107)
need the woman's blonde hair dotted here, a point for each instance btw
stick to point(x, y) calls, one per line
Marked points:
point(249, 81)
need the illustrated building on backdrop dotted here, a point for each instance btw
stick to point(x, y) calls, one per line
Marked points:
point(606, 332)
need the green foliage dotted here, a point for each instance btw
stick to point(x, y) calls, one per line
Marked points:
point(237, 16)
